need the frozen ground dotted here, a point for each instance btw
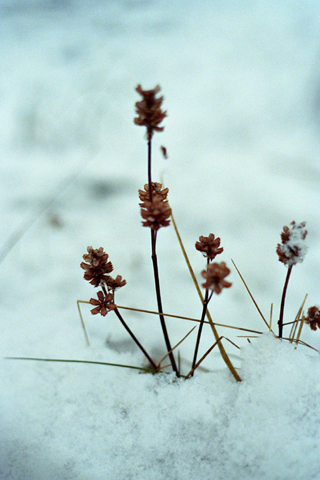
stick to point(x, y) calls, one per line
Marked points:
point(242, 88)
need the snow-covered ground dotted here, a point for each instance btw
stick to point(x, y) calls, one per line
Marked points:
point(241, 82)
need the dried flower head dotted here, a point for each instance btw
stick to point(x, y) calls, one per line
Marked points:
point(209, 246)
point(98, 266)
point(104, 304)
point(155, 214)
point(114, 283)
point(156, 189)
point(164, 152)
point(215, 277)
point(149, 110)
point(293, 248)
point(313, 318)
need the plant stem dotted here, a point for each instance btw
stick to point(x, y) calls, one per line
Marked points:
point(116, 311)
point(204, 311)
point(156, 272)
point(280, 322)
point(159, 301)
point(149, 169)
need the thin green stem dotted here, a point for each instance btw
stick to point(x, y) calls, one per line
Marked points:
point(80, 361)
point(280, 322)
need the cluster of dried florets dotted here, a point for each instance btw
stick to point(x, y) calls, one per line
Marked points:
point(313, 317)
point(149, 110)
point(215, 272)
point(215, 277)
point(103, 304)
point(97, 269)
point(209, 246)
point(155, 209)
point(292, 248)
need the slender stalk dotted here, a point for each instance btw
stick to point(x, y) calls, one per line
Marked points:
point(156, 271)
point(223, 353)
point(79, 361)
point(204, 311)
point(159, 301)
point(280, 322)
point(149, 169)
point(116, 311)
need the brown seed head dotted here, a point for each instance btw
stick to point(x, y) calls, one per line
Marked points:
point(114, 283)
point(104, 304)
point(313, 318)
point(98, 267)
point(155, 214)
point(292, 248)
point(149, 110)
point(156, 189)
point(215, 275)
point(209, 246)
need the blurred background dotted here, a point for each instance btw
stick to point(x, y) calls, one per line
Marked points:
point(241, 82)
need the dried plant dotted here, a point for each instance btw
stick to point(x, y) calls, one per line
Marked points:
point(214, 275)
point(149, 110)
point(96, 270)
point(313, 317)
point(209, 246)
point(156, 213)
point(291, 251)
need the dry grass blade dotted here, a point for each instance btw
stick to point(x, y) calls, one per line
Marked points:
point(300, 329)
point(251, 296)
point(214, 330)
point(82, 322)
point(177, 345)
point(91, 362)
point(301, 342)
point(180, 317)
point(299, 319)
point(207, 353)
point(271, 310)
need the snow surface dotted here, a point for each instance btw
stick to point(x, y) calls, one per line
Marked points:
point(242, 86)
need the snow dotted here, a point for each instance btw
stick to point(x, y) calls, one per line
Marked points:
point(241, 87)
point(293, 249)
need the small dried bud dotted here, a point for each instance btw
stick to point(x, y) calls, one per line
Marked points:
point(293, 248)
point(114, 283)
point(104, 304)
point(164, 152)
point(98, 267)
point(156, 189)
point(209, 246)
point(215, 275)
point(313, 318)
point(149, 110)
point(155, 214)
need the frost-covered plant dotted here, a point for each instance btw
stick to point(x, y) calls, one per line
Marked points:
point(291, 251)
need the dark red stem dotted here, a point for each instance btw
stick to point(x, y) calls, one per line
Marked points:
point(159, 301)
point(116, 311)
point(280, 322)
